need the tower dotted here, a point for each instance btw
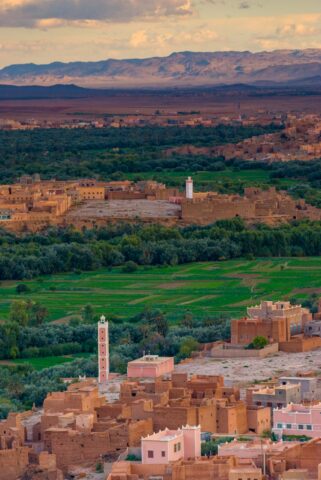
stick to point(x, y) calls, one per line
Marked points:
point(103, 350)
point(189, 188)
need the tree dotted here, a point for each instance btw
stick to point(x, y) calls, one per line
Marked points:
point(27, 313)
point(22, 288)
point(187, 320)
point(161, 322)
point(259, 342)
point(88, 313)
point(37, 313)
point(188, 346)
point(130, 267)
point(19, 312)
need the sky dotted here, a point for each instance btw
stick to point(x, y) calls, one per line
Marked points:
point(44, 31)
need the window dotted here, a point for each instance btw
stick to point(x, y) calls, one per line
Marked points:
point(300, 427)
point(309, 427)
point(280, 425)
point(150, 454)
point(163, 453)
point(178, 447)
point(289, 425)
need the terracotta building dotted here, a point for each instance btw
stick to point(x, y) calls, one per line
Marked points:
point(200, 468)
point(274, 396)
point(150, 366)
point(298, 419)
point(278, 322)
point(169, 446)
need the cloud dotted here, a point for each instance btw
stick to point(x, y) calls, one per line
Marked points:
point(38, 13)
point(297, 30)
point(244, 5)
point(138, 39)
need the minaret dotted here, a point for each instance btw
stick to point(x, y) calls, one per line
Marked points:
point(189, 188)
point(103, 351)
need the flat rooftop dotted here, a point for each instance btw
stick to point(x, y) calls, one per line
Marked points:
point(164, 436)
point(150, 360)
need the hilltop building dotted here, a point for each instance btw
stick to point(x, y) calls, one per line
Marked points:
point(280, 322)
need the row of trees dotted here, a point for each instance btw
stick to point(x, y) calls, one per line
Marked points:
point(101, 152)
point(70, 251)
point(150, 330)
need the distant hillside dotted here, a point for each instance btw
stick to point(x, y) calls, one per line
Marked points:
point(185, 68)
point(55, 91)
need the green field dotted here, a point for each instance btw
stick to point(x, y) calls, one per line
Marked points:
point(46, 362)
point(228, 178)
point(202, 288)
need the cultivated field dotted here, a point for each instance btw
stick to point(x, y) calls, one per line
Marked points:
point(205, 289)
point(230, 179)
point(39, 363)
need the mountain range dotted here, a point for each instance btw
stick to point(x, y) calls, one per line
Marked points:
point(280, 67)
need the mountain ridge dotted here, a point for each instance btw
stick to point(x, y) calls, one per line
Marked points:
point(179, 68)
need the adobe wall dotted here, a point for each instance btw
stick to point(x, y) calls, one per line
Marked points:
point(299, 344)
point(221, 352)
point(71, 447)
point(137, 430)
point(268, 206)
point(201, 471)
point(232, 419)
point(13, 462)
point(259, 419)
point(206, 418)
point(302, 456)
point(120, 195)
point(174, 417)
point(243, 331)
point(13, 427)
point(211, 210)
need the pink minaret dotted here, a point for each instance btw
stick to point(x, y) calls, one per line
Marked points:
point(103, 350)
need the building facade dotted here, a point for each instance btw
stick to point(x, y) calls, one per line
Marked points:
point(298, 419)
point(168, 446)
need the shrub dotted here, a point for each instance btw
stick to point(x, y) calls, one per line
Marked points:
point(130, 267)
point(22, 288)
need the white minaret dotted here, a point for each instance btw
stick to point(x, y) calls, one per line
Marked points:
point(189, 188)
point(103, 350)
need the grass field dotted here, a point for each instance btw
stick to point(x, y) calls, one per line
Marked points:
point(202, 288)
point(216, 180)
point(46, 362)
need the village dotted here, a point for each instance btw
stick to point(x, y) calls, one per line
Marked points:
point(176, 422)
point(299, 140)
point(33, 204)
